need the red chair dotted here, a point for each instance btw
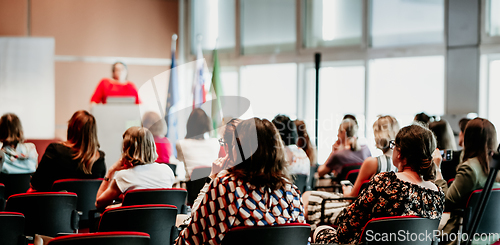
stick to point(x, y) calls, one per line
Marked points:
point(103, 238)
point(390, 227)
point(15, 183)
point(86, 189)
point(287, 234)
point(168, 196)
point(352, 175)
point(156, 220)
point(46, 213)
point(2, 197)
point(12, 228)
point(490, 222)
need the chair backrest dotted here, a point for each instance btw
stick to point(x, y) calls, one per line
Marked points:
point(173, 167)
point(200, 172)
point(198, 180)
point(364, 185)
point(346, 168)
point(300, 180)
point(490, 222)
point(11, 228)
point(289, 234)
point(2, 197)
point(46, 213)
point(15, 183)
point(41, 145)
point(352, 175)
point(390, 227)
point(169, 196)
point(103, 238)
point(86, 189)
point(156, 220)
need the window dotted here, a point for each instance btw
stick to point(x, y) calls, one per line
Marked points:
point(213, 22)
point(493, 20)
point(403, 87)
point(406, 22)
point(333, 22)
point(271, 89)
point(341, 91)
point(268, 26)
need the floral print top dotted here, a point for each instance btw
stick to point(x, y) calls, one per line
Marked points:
point(385, 196)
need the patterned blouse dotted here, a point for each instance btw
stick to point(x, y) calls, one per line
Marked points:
point(230, 202)
point(385, 196)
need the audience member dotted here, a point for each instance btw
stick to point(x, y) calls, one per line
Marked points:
point(17, 157)
point(351, 151)
point(298, 162)
point(197, 149)
point(462, 124)
point(480, 139)
point(157, 126)
point(256, 191)
point(136, 169)
point(117, 86)
point(444, 135)
point(79, 157)
point(304, 142)
point(423, 119)
point(393, 194)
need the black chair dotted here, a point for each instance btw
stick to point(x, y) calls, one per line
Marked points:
point(168, 196)
point(156, 220)
point(346, 169)
point(86, 189)
point(47, 213)
point(12, 228)
point(2, 197)
point(396, 224)
point(490, 223)
point(300, 180)
point(197, 181)
point(352, 175)
point(103, 238)
point(15, 183)
point(288, 234)
point(173, 167)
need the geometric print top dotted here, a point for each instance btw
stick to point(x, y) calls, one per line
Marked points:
point(229, 202)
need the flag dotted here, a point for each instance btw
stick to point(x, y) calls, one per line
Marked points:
point(172, 103)
point(216, 94)
point(199, 94)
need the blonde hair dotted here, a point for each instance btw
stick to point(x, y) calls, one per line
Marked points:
point(351, 130)
point(152, 121)
point(139, 146)
point(385, 130)
point(82, 138)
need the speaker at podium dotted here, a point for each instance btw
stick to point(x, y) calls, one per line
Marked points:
point(112, 119)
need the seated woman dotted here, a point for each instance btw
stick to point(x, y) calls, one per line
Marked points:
point(136, 169)
point(298, 162)
point(444, 135)
point(79, 157)
point(305, 142)
point(152, 121)
point(197, 149)
point(256, 191)
point(17, 157)
point(384, 130)
point(350, 152)
point(117, 86)
point(480, 138)
point(392, 194)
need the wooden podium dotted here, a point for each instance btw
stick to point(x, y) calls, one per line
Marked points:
point(112, 121)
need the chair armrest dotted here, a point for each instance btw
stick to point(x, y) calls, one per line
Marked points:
point(75, 220)
point(323, 204)
point(94, 217)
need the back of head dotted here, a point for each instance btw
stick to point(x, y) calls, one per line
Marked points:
point(352, 117)
point(463, 123)
point(422, 118)
point(198, 124)
point(385, 130)
point(351, 130)
point(139, 146)
point(304, 141)
point(229, 135)
point(416, 143)
point(444, 134)
point(11, 130)
point(286, 128)
point(261, 158)
point(152, 121)
point(82, 138)
point(480, 138)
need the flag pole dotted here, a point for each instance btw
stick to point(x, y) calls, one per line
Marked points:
point(174, 42)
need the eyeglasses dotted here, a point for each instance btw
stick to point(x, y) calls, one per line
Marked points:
point(221, 142)
point(392, 144)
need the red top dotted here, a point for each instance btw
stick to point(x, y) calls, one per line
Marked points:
point(164, 149)
point(108, 87)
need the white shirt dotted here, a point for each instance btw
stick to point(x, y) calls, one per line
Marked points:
point(197, 153)
point(147, 176)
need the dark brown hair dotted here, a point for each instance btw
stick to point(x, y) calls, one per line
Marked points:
point(198, 124)
point(11, 130)
point(480, 138)
point(416, 143)
point(82, 138)
point(152, 121)
point(444, 134)
point(229, 137)
point(139, 146)
point(304, 141)
point(263, 162)
point(286, 129)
